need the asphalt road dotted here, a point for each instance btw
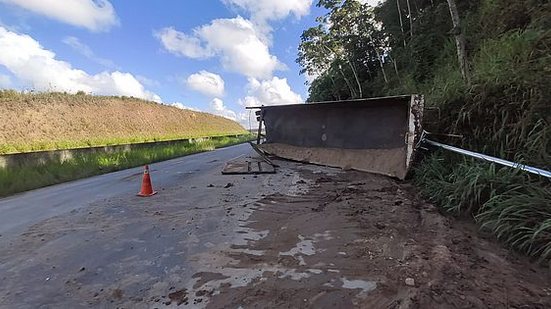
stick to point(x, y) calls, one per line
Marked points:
point(94, 243)
point(305, 237)
point(20, 211)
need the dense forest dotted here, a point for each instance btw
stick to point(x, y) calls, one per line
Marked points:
point(484, 67)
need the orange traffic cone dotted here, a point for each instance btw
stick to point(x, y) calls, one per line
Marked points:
point(147, 188)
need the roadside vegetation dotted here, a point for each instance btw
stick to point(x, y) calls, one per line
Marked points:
point(484, 75)
point(80, 165)
point(50, 121)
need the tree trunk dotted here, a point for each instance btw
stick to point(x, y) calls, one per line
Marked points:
point(335, 91)
point(353, 71)
point(380, 59)
point(352, 91)
point(377, 53)
point(401, 22)
point(410, 19)
point(395, 67)
point(355, 77)
point(459, 42)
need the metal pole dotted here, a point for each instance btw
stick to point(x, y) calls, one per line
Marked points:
point(523, 167)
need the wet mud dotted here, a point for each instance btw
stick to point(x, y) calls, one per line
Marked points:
point(359, 240)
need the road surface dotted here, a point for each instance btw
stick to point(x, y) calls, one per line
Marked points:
point(22, 210)
point(305, 237)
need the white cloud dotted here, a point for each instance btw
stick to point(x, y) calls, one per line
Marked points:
point(264, 10)
point(270, 92)
point(87, 52)
point(27, 60)
point(5, 81)
point(236, 41)
point(181, 44)
point(275, 91)
point(240, 47)
point(182, 106)
point(206, 83)
point(220, 109)
point(248, 119)
point(95, 15)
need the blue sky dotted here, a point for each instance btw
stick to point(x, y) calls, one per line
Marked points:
point(217, 56)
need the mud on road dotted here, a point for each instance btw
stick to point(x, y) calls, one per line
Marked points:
point(307, 237)
point(357, 240)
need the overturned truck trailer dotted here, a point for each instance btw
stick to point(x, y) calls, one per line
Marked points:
point(375, 135)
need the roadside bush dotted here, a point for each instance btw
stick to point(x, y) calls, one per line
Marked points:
point(509, 203)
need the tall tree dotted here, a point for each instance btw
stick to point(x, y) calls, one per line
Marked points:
point(401, 21)
point(459, 42)
point(410, 17)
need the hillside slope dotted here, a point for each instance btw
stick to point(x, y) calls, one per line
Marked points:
point(56, 121)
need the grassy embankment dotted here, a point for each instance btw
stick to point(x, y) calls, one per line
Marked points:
point(50, 121)
point(504, 112)
point(59, 121)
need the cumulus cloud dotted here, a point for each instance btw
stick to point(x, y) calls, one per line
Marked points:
point(87, 52)
point(207, 83)
point(275, 91)
point(240, 47)
point(181, 44)
point(236, 41)
point(218, 108)
point(27, 60)
point(182, 106)
point(264, 10)
point(95, 15)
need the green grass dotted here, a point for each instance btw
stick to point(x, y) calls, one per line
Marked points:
point(93, 142)
point(509, 203)
point(14, 180)
point(505, 113)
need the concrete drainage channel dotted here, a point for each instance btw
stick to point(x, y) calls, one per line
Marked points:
point(26, 171)
point(35, 158)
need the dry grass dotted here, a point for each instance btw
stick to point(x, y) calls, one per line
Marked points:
point(45, 121)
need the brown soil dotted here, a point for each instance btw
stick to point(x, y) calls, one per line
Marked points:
point(390, 162)
point(352, 239)
point(180, 297)
point(58, 120)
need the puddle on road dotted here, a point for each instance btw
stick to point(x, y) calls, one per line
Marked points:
point(304, 246)
point(365, 286)
point(241, 277)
